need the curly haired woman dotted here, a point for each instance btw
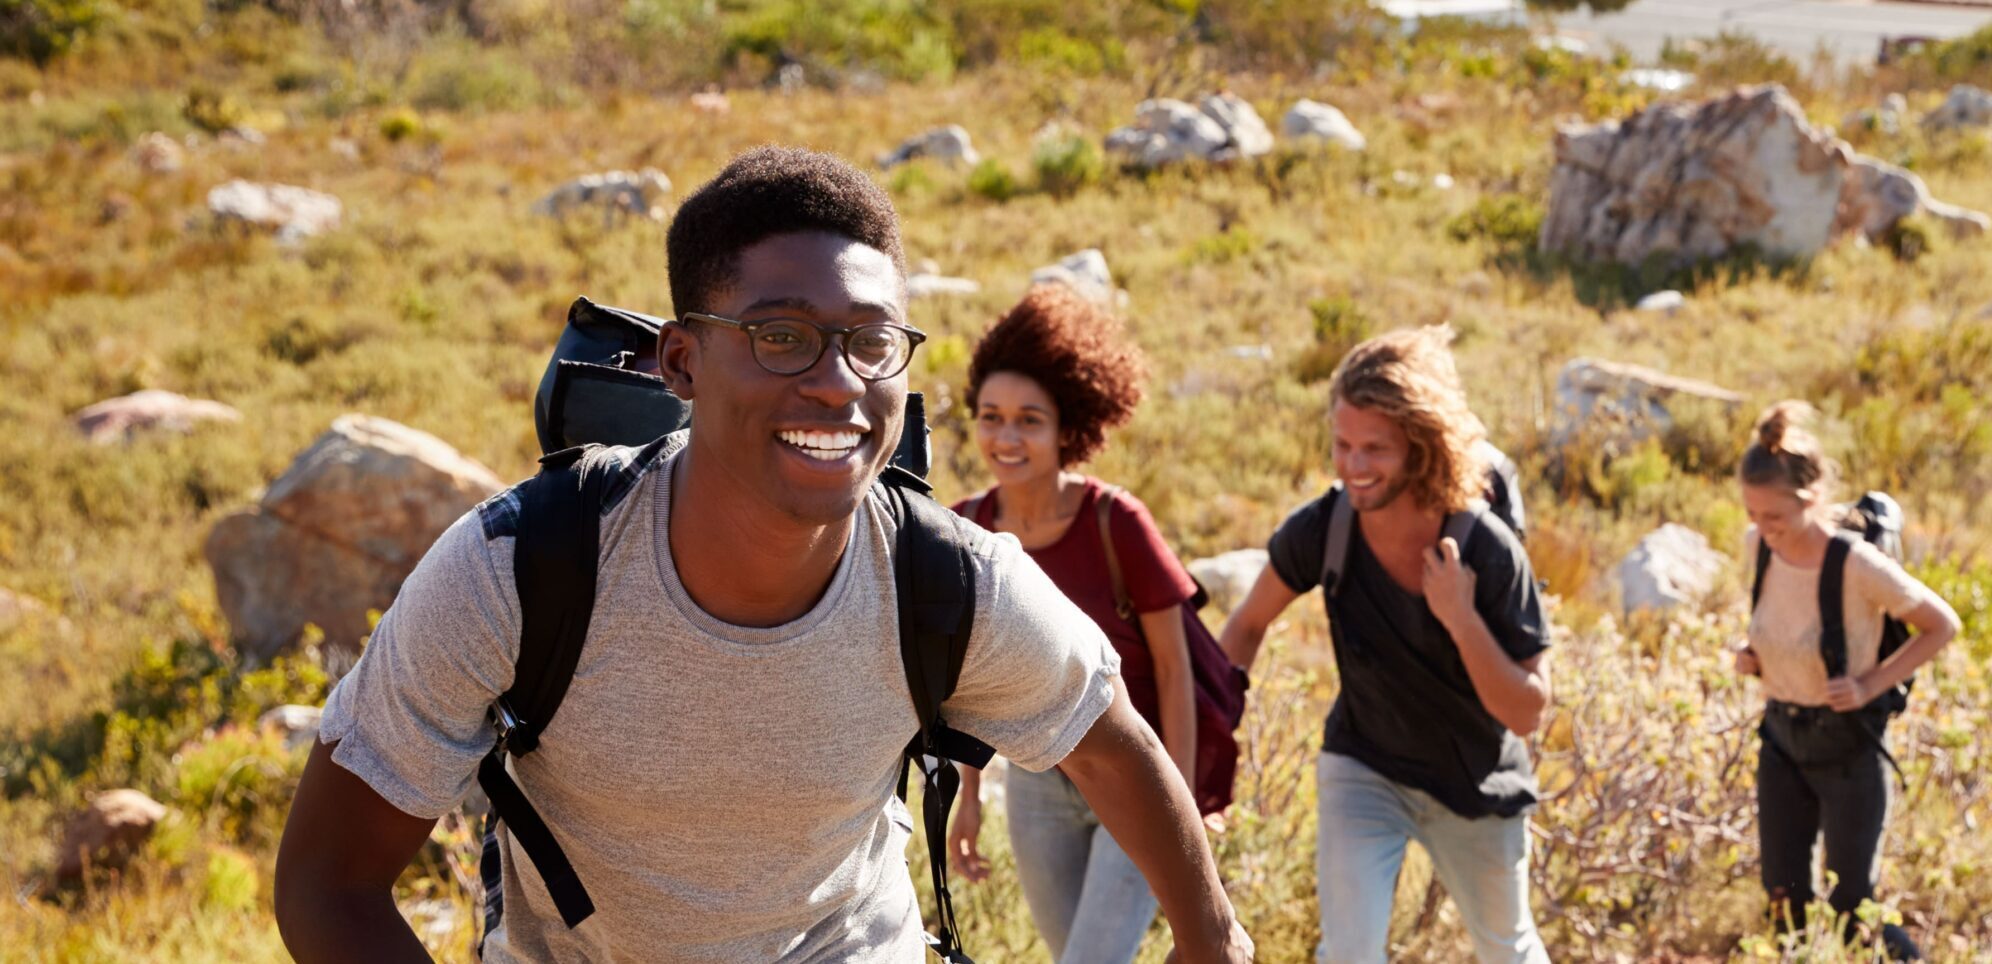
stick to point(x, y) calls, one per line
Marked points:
point(1045, 384)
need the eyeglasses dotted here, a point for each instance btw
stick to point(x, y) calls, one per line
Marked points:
point(787, 346)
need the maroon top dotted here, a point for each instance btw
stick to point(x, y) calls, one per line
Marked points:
point(1077, 563)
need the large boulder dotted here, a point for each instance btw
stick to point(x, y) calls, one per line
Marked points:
point(1166, 131)
point(617, 195)
point(125, 417)
point(1966, 106)
point(294, 213)
point(1229, 576)
point(1309, 120)
point(1689, 182)
point(336, 534)
point(949, 145)
point(1085, 272)
point(1628, 401)
point(1672, 566)
point(106, 834)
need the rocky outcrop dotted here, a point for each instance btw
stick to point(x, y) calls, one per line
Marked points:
point(1312, 121)
point(336, 534)
point(616, 194)
point(949, 145)
point(294, 213)
point(106, 834)
point(151, 410)
point(1672, 566)
point(1222, 127)
point(1966, 106)
point(1629, 402)
point(1690, 182)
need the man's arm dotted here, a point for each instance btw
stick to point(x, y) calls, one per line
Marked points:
point(343, 848)
point(1246, 629)
point(1122, 771)
point(1514, 692)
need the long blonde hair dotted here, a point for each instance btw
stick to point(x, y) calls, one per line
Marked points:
point(1409, 377)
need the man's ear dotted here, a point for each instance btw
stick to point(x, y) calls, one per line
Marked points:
point(678, 350)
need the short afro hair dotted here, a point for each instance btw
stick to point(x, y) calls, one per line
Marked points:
point(1077, 352)
point(762, 193)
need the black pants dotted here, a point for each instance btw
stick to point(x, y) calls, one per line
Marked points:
point(1817, 774)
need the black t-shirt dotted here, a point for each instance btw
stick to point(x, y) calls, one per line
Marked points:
point(1407, 708)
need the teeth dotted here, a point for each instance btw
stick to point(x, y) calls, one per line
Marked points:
point(836, 443)
point(1008, 460)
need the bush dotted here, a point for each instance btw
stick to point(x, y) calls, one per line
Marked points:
point(399, 125)
point(42, 30)
point(1506, 220)
point(1339, 325)
point(461, 78)
point(992, 179)
point(1066, 164)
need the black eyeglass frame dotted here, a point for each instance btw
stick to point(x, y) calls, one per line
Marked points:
point(912, 334)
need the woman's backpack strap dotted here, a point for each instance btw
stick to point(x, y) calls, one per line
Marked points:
point(1832, 611)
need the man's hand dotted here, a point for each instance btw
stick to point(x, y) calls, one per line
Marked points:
point(1448, 584)
point(963, 855)
point(1237, 949)
point(1845, 694)
point(1746, 661)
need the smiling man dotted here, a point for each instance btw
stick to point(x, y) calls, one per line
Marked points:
point(1440, 638)
point(721, 770)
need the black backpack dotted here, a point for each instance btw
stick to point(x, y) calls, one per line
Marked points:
point(555, 562)
point(1877, 519)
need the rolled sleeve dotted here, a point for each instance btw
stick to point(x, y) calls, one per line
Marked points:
point(409, 720)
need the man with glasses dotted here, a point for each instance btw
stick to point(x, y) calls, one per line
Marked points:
point(721, 772)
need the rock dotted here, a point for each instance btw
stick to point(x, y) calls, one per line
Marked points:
point(1229, 577)
point(295, 213)
point(298, 724)
point(1562, 43)
point(1690, 182)
point(1671, 566)
point(949, 145)
point(1309, 120)
point(1886, 119)
point(924, 285)
point(1630, 397)
point(1086, 273)
point(711, 101)
point(107, 833)
point(336, 534)
point(1660, 79)
point(121, 419)
point(1167, 131)
point(619, 195)
point(1668, 301)
point(156, 153)
point(1966, 106)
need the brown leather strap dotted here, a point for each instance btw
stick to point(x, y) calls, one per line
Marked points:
point(1105, 505)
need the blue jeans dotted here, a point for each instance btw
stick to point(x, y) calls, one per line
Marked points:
point(1090, 903)
point(1364, 822)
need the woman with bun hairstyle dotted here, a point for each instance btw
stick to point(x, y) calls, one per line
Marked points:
point(1822, 768)
point(1046, 382)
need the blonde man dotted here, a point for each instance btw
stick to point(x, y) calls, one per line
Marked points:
point(1440, 637)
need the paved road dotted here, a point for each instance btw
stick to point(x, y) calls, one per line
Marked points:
point(1851, 30)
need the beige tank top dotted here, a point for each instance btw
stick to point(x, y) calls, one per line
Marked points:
point(1784, 628)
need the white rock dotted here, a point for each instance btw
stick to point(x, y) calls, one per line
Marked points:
point(1672, 566)
point(1310, 120)
point(1085, 272)
point(617, 194)
point(949, 145)
point(298, 724)
point(1167, 131)
point(122, 419)
point(1966, 106)
point(1630, 398)
point(156, 153)
point(295, 213)
point(1244, 131)
point(1660, 79)
point(925, 285)
point(1566, 44)
point(1668, 301)
point(1229, 576)
point(711, 101)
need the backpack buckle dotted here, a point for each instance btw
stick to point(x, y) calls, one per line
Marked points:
point(505, 722)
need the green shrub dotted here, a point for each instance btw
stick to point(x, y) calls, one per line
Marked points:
point(1506, 220)
point(1225, 246)
point(399, 125)
point(461, 78)
point(1050, 48)
point(1339, 325)
point(42, 30)
point(230, 883)
point(992, 179)
point(212, 111)
point(1066, 164)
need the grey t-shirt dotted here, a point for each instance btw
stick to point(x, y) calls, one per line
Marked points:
point(725, 793)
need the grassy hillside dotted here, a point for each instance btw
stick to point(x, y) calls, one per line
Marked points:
point(436, 303)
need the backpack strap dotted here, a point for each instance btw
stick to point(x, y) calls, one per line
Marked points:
point(1460, 526)
point(554, 563)
point(1335, 548)
point(1832, 612)
point(934, 575)
point(1105, 510)
point(1763, 565)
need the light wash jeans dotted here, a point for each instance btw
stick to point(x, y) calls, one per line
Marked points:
point(1090, 903)
point(1364, 822)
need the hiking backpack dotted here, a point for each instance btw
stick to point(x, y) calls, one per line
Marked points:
point(558, 549)
point(1876, 519)
point(1503, 501)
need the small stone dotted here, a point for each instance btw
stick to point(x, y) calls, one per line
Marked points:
point(1668, 301)
point(1086, 273)
point(1229, 577)
point(107, 833)
point(124, 418)
point(1672, 566)
point(1309, 120)
point(950, 145)
point(156, 153)
point(298, 724)
point(295, 213)
point(1966, 106)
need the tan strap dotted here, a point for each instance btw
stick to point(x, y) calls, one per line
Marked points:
point(1106, 509)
